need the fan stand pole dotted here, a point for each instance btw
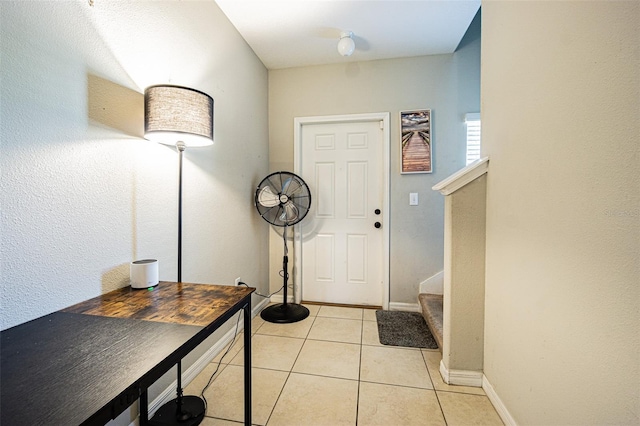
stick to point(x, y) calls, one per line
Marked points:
point(285, 266)
point(285, 312)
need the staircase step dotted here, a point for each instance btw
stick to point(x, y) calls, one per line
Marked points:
point(431, 305)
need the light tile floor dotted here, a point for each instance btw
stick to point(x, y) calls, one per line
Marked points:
point(330, 369)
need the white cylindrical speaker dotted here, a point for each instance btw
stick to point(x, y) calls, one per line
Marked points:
point(144, 273)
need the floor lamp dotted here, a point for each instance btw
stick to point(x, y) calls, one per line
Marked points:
point(180, 117)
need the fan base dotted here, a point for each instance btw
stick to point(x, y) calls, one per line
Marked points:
point(284, 313)
point(192, 413)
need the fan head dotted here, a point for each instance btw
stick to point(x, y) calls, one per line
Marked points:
point(283, 199)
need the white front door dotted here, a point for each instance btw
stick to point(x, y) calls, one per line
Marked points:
point(343, 253)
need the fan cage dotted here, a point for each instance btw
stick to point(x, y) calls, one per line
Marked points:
point(283, 199)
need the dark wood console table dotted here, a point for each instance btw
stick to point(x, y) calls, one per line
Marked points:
point(88, 363)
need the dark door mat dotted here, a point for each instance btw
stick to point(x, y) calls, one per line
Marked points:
point(408, 329)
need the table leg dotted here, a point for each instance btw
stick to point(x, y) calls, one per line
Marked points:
point(247, 364)
point(143, 408)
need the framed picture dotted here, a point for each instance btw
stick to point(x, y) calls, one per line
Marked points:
point(415, 128)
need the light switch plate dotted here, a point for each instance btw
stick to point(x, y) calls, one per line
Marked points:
point(413, 198)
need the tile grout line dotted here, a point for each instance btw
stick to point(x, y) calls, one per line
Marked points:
point(426, 358)
point(359, 379)
point(435, 392)
point(359, 370)
point(221, 366)
point(289, 372)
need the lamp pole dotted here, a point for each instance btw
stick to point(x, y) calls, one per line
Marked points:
point(180, 146)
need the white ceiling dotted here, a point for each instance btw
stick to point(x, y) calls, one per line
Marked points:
point(293, 33)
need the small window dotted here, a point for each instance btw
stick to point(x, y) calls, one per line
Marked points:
point(473, 137)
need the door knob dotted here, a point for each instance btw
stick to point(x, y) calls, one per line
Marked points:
point(377, 225)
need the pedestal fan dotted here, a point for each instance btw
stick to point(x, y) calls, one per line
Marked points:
point(283, 199)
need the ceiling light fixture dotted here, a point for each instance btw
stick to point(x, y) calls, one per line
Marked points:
point(346, 45)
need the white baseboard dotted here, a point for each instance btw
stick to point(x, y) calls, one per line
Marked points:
point(407, 307)
point(434, 284)
point(196, 368)
point(497, 403)
point(259, 307)
point(278, 298)
point(461, 377)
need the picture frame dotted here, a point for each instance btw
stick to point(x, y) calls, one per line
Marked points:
point(416, 142)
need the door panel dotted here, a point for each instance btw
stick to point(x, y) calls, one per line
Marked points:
point(324, 194)
point(323, 254)
point(357, 255)
point(357, 190)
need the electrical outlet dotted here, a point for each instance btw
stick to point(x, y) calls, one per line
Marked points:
point(238, 281)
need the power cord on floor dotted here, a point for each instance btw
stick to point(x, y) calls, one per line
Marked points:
point(262, 295)
point(235, 335)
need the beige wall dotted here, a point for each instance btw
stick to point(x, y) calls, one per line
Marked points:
point(560, 105)
point(464, 259)
point(82, 193)
point(448, 84)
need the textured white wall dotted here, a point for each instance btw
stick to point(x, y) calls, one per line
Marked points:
point(560, 105)
point(448, 84)
point(83, 193)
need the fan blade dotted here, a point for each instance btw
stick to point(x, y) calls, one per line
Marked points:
point(285, 185)
point(267, 198)
point(290, 186)
point(290, 212)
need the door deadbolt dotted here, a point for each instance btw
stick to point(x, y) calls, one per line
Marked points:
point(377, 211)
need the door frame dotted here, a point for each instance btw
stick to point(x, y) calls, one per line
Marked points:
point(383, 117)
